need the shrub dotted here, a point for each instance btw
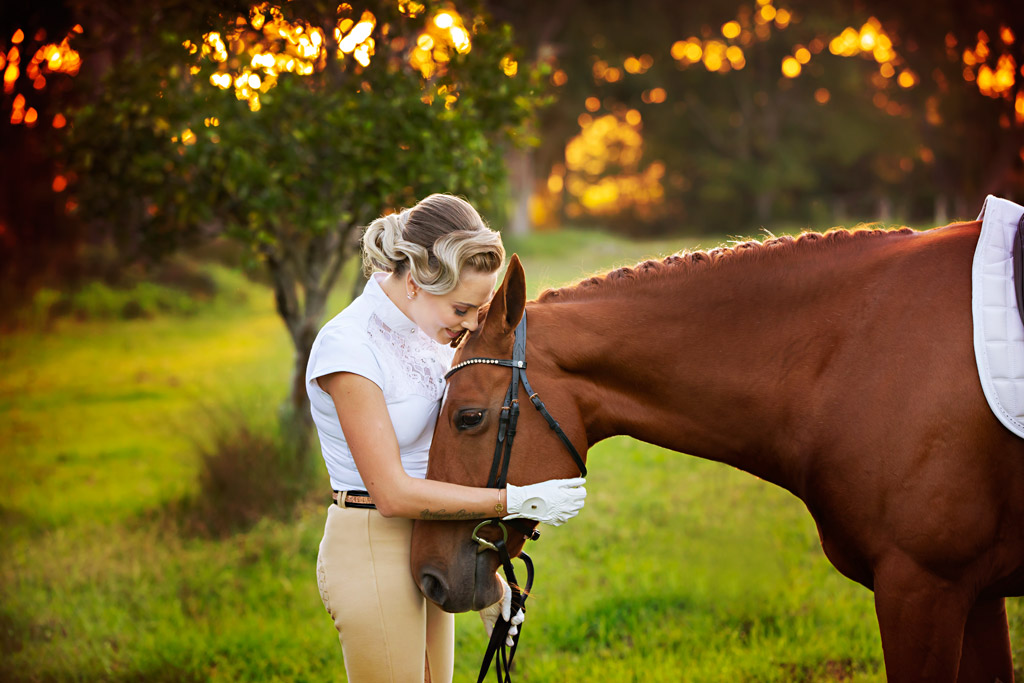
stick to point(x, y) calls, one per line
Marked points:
point(248, 470)
point(177, 287)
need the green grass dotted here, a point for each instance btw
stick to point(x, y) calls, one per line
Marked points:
point(703, 573)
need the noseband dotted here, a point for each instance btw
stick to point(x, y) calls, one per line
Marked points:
point(497, 479)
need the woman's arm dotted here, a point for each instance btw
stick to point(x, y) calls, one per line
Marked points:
point(371, 437)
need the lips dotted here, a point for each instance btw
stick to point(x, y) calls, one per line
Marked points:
point(451, 335)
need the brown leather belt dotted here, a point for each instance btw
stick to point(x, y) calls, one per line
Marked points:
point(354, 499)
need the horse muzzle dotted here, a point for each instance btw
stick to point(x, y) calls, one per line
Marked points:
point(468, 583)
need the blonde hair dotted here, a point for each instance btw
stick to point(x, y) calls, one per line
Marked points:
point(435, 240)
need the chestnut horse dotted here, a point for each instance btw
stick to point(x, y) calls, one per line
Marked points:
point(840, 367)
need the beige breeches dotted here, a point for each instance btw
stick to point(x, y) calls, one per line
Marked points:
point(384, 623)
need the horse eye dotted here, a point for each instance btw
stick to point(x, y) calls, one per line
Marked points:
point(469, 418)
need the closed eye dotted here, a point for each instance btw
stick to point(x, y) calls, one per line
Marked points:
point(467, 419)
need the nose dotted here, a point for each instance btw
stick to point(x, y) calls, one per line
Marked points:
point(433, 585)
point(471, 324)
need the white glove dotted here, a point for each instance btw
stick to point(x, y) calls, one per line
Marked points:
point(553, 502)
point(502, 608)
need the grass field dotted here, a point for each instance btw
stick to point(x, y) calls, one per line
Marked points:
point(703, 573)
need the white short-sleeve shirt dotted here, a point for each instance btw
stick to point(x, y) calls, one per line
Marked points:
point(371, 337)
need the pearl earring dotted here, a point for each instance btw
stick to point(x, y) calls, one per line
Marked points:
point(410, 296)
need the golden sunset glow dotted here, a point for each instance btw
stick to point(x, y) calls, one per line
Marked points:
point(48, 59)
point(654, 96)
point(791, 67)
point(907, 79)
point(10, 76)
point(602, 173)
point(270, 45)
point(723, 56)
point(250, 56)
point(18, 110)
point(509, 65)
point(443, 35)
point(411, 7)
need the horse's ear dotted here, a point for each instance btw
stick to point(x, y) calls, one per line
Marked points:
point(509, 302)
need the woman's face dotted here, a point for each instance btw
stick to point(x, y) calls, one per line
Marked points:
point(444, 317)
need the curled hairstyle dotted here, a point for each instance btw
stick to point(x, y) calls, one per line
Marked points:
point(435, 240)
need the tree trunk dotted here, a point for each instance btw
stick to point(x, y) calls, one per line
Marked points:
point(296, 417)
point(884, 210)
point(520, 172)
point(314, 267)
point(941, 209)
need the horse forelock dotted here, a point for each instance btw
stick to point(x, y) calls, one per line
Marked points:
point(685, 262)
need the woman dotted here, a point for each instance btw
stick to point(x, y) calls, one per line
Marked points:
point(375, 380)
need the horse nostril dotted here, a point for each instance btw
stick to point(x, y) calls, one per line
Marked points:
point(433, 586)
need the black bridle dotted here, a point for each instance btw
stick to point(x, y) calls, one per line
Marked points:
point(497, 479)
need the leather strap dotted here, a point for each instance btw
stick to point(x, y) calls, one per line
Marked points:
point(497, 650)
point(354, 499)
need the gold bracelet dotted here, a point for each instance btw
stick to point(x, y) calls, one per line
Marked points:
point(499, 508)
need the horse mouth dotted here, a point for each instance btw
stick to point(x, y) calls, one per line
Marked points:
point(469, 584)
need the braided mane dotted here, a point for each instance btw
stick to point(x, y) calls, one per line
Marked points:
point(687, 261)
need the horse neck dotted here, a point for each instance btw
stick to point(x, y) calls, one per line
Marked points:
point(712, 362)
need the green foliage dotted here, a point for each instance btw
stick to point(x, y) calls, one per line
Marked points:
point(111, 290)
point(326, 152)
point(97, 300)
point(750, 147)
point(165, 158)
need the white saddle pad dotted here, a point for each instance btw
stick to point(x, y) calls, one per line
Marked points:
point(998, 331)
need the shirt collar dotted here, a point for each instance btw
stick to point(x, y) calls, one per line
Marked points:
point(388, 312)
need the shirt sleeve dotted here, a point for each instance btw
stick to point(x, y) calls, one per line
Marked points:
point(344, 350)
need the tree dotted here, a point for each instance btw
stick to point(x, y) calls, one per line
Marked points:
point(288, 128)
point(970, 99)
point(36, 239)
point(766, 110)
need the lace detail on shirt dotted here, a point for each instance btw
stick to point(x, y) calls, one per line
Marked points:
point(417, 362)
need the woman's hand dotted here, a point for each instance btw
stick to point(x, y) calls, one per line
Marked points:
point(553, 502)
point(502, 608)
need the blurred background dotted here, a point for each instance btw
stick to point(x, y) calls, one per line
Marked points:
point(182, 192)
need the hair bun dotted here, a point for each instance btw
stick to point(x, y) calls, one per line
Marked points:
point(434, 240)
point(383, 245)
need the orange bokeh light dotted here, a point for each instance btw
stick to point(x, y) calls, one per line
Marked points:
point(10, 76)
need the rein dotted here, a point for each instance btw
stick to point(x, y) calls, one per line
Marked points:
point(497, 648)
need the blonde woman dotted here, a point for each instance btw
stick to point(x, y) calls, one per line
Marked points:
point(375, 380)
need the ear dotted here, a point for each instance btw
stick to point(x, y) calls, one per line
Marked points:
point(509, 302)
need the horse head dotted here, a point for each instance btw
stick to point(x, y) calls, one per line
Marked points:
point(451, 568)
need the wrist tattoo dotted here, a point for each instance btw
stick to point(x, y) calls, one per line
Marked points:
point(444, 514)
